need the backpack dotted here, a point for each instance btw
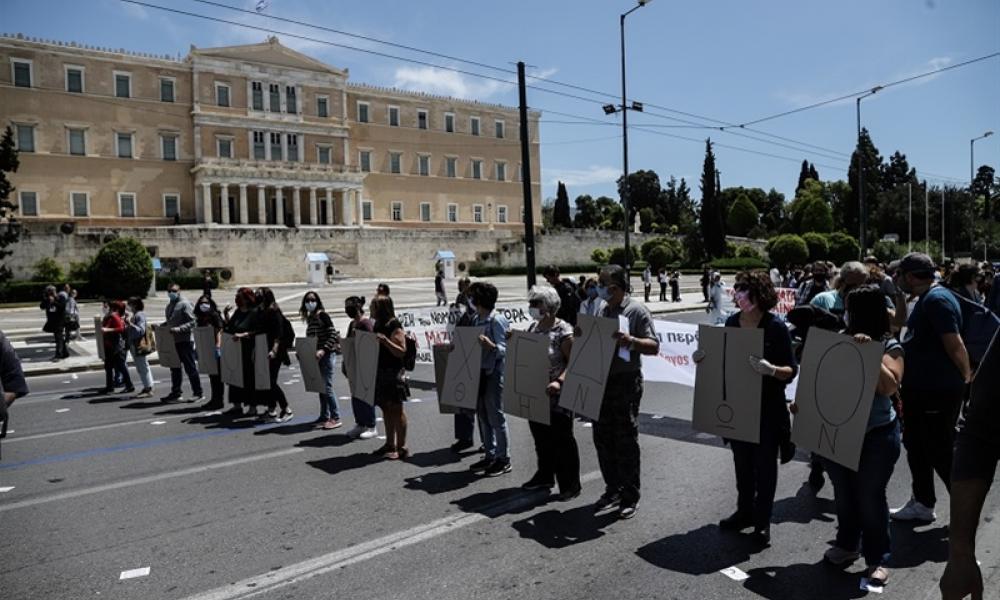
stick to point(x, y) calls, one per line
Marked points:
point(147, 343)
point(410, 357)
point(979, 325)
point(287, 337)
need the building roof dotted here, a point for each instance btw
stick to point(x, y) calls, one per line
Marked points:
point(317, 257)
point(270, 52)
point(444, 254)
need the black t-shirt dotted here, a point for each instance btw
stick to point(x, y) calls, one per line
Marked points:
point(386, 359)
point(569, 302)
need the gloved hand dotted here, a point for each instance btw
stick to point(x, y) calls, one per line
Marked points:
point(762, 366)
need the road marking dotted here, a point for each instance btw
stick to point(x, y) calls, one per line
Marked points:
point(133, 573)
point(62, 410)
point(147, 479)
point(158, 423)
point(39, 436)
point(6, 489)
point(339, 559)
point(735, 574)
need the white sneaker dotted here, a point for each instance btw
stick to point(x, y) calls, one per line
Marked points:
point(356, 432)
point(913, 511)
point(368, 434)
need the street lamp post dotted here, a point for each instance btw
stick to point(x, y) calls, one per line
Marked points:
point(972, 178)
point(861, 174)
point(624, 108)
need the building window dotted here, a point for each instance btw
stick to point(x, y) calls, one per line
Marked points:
point(293, 146)
point(224, 147)
point(501, 171)
point(499, 129)
point(520, 172)
point(79, 204)
point(291, 101)
point(425, 212)
point(74, 79)
point(171, 205)
point(259, 149)
point(395, 162)
point(276, 153)
point(365, 160)
point(453, 213)
point(451, 166)
point(397, 211)
point(424, 164)
point(274, 97)
point(25, 138)
point(474, 125)
point(477, 169)
point(77, 142)
point(168, 145)
point(501, 214)
point(222, 94)
point(449, 122)
point(123, 85)
point(166, 89)
point(477, 213)
point(322, 107)
point(421, 119)
point(393, 116)
point(257, 95)
point(126, 204)
point(363, 112)
point(323, 155)
point(123, 141)
point(366, 210)
point(22, 72)
point(28, 204)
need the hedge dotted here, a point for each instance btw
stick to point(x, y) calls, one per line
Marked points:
point(489, 271)
point(738, 264)
point(186, 282)
point(31, 291)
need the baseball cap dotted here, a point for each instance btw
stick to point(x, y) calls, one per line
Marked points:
point(916, 262)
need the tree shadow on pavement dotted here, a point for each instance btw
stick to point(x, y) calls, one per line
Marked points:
point(699, 551)
point(817, 580)
point(558, 529)
point(911, 548)
point(804, 507)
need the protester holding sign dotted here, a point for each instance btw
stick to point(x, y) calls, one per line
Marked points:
point(207, 314)
point(616, 432)
point(113, 327)
point(390, 391)
point(273, 325)
point(465, 420)
point(320, 326)
point(756, 464)
point(364, 413)
point(852, 275)
point(555, 446)
point(137, 328)
point(241, 325)
point(489, 409)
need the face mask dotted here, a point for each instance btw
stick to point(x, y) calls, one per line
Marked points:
point(173, 295)
point(603, 293)
point(536, 313)
point(205, 307)
point(310, 306)
point(743, 301)
point(592, 293)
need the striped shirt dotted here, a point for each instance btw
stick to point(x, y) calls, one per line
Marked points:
point(321, 326)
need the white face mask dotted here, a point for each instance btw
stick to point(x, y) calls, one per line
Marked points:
point(310, 306)
point(205, 307)
point(536, 313)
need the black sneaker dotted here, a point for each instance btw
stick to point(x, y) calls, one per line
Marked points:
point(499, 467)
point(461, 445)
point(567, 495)
point(537, 482)
point(627, 511)
point(235, 411)
point(607, 500)
point(816, 479)
point(171, 399)
point(735, 522)
point(481, 465)
point(761, 536)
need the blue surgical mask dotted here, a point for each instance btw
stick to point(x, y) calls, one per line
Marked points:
point(205, 307)
point(310, 306)
point(592, 292)
point(603, 293)
point(173, 295)
point(536, 313)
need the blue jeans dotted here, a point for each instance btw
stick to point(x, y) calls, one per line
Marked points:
point(142, 368)
point(328, 408)
point(862, 509)
point(492, 421)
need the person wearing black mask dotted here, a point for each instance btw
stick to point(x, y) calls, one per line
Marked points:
point(207, 314)
point(816, 284)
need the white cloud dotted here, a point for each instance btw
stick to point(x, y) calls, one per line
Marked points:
point(592, 175)
point(135, 11)
point(447, 83)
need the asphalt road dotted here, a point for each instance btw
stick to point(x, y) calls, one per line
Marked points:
point(218, 509)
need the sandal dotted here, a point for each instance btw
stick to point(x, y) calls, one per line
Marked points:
point(404, 453)
point(383, 450)
point(878, 576)
point(392, 455)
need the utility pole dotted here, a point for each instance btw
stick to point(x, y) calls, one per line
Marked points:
point(909, 218)
point(927, 219)
point(863, 238)
point(529, 216)
point(943, 253)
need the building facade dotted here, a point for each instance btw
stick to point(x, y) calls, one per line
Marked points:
point(251, 135)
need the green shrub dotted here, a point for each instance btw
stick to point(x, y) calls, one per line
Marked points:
point(843, 247)
point(787, 249)
point(672, 245)
point(746, 251)
point(599, 256)
point(186, 282)
point(738, 264)
point(47, 269)
point(819, 247)
point(816, 215)
point(659, 257)
point(887, 252)
point(122, 268)
point(743, 216)
point(616, 256)
point(31, 291)
point(82, 270)
point(491, 271)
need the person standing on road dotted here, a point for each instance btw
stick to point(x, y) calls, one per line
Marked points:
point(272, 323)
point(594, 304)
point(442, 297)
point(714, 307)
point(663, 278)
point(320, 326)
point(382, 289)
point(207, 315)
point(242, 324)
point(675, 287)
point(647, 282)
point(55, 316)
point(136, 333)
point(113, 328)
point(390, 392)
point(180, 321)
point(616, 432)
point(12, 382)
point(207, 284)
point(756, 465)
point(570, 302)
point(72, 318)
point(933, 384)
point(489, 407)
point(555, 446)
point(364, 413)
point(706, 281)
point(465, 420)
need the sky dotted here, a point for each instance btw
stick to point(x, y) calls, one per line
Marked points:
point(731, 61)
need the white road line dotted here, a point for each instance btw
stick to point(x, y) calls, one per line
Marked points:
point(62, 410)
point(147, 479)
point(307, 569)
point(6, 489)
point(133, 573)
point(39, 436)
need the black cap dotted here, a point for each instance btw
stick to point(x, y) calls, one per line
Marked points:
point(916, 263)
point(893, 266)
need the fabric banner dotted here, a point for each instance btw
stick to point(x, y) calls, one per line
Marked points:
point(434, 325)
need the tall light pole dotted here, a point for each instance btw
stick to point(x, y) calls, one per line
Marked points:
point(624, 108)
point(986, 200)
point(861, 175)
point(909, 218)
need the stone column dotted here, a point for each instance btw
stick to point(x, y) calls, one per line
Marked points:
point(206, 201)
point(329, 206)
point(244, 206)
point(345, 207)
point(360, 208)
point(224, 202)
point(279, 206)
point(296, 206)
point(261, 205)
point(313, 207)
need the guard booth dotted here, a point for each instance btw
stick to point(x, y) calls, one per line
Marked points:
point(316, 263)
point(157, 267)
point(446, 258)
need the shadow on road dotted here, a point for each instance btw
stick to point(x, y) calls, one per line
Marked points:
point(339, 464)
point(326, 441)
point(699, 551)
point(911, 548)
point(804, 507)
point(558, 529)
point(441, 481)
point(817, 580)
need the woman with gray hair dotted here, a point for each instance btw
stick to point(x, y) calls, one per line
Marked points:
point(555, 446)
point(852, 275)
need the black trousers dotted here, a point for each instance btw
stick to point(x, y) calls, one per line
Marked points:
point(185, 351)
point(557, 452)
point(616, 435)
point(663, 292)
point(60, 338)
point(275, 395)
point(757, 476)
point(929, 419)
point(115, 368)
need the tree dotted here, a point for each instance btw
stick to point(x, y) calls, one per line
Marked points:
point(803, 177)
point(817, 216)
point(616, 256)
point(646, 219)
point(839, 194)
point(843, 247)
point(786, 250)
point(813, 173)
point(712, 222)
point(122, 268)
point(548, 210)
point(819, 248)
point(676, 206)
point(10, 231)
point(694, 247)
point(772, 214)
point(743, 216)
point(560, 212)
point(587, 216)
point(660, 256)
point(643, 191)
point(982, 186)
point(47, 270)
point(865, 154)
point(886, 252)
